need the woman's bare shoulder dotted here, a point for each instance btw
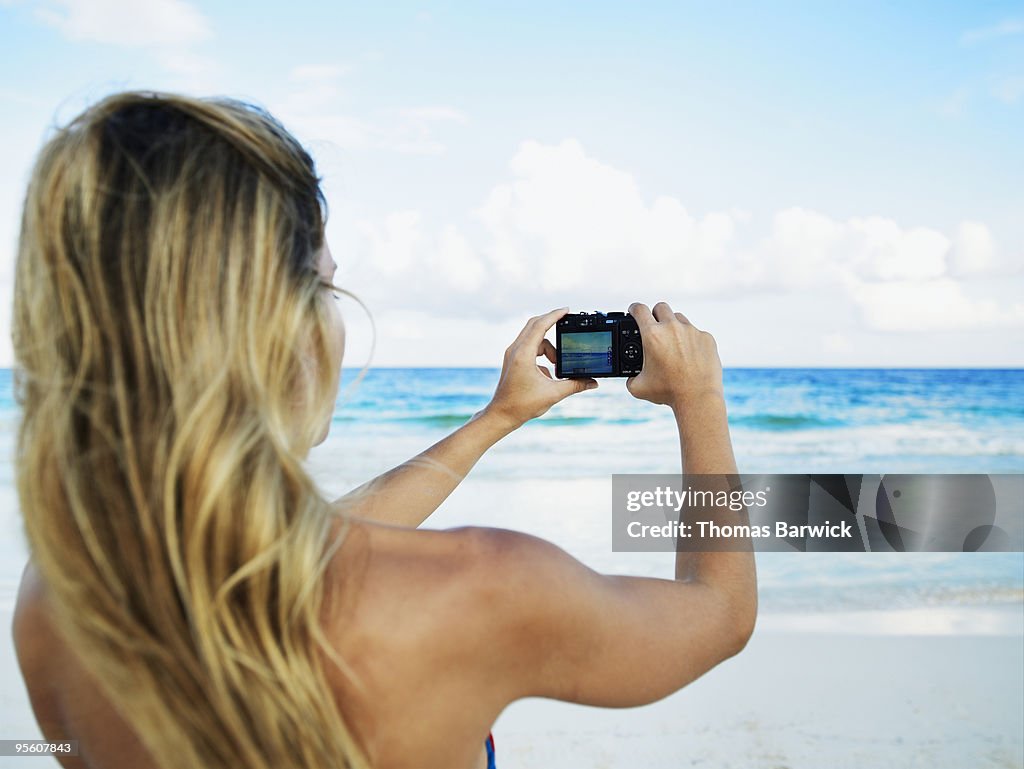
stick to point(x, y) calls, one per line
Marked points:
point(510, 615)
point(40, 656)
point(428, 573)
point(458, 606)
point(419, 580)
point(65, 697)
point(408, 627)
point(34, 638)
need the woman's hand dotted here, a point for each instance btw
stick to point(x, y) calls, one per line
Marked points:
point(680, 361)
point(526, 390)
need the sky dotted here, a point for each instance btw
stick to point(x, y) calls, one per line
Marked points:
point(815, 184)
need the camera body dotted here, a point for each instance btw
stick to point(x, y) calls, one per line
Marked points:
point(597, 344)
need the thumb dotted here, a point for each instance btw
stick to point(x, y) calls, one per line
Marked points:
point(573, 386)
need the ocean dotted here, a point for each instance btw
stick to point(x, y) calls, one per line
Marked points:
point(558, 468)
point(782, 421)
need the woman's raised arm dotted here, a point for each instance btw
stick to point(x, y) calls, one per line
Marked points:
point(555, 628)
point(552, 627)
point(408, 494)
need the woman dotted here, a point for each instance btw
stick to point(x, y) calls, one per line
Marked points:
point(191, 599)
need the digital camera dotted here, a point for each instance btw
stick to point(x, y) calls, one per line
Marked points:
point(597, 344)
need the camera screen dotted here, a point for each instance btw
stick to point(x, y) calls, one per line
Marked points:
point(587, 353)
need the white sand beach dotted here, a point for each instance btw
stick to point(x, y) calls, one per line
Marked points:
point(802, 701)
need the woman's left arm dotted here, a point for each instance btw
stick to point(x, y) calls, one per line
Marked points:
point(409, 493)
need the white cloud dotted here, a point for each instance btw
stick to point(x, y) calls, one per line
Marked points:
point(805, 249)
point(168, 30)
point(433, 268)
point(836, 344)
point(567, 221)
point(127, 22)
point(1005, 28)
point(974, 250)
point(412, 337)
point(879, 248)
point(457, 261)
point(566, 228)
point(395, 243)
point(311, 107)
point(800, 251)
point(931, 305)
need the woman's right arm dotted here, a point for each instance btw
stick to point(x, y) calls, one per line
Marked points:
point(408, 494)
point(682, 370)
point(555, 628)
point(552, 627)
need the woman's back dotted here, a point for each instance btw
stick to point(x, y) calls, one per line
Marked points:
point(416, 707)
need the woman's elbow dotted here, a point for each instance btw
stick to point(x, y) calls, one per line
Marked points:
point(740, 621)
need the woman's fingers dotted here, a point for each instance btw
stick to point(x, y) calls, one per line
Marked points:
point(662, 312)
point(573, 386)
point(642, 313)
point(537, 327)
point(544, 370)
point(547, 350)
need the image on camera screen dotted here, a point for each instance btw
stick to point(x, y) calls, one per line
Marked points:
point(587, 353)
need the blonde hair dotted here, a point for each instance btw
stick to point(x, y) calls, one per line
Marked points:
point(166, 310)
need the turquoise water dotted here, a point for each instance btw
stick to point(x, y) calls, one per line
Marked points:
point(783, 421)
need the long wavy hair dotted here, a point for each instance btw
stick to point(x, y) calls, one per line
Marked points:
point(170, 332)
